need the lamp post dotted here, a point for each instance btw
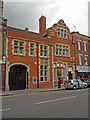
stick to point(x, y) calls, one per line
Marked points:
point(37, 68)
point(74, 57)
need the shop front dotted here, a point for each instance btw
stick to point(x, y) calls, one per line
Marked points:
point(83, 71)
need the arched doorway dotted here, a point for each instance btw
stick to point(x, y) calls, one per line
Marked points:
point(17, 77)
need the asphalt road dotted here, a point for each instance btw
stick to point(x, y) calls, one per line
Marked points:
point(52, 104)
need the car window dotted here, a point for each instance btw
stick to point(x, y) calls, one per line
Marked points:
point(75, 81)
point(79, 80)
point(68, 81)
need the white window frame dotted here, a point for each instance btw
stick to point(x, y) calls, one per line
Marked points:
point(43, 72)
point(85, 46)
point(86, 60)
point(79, 45)
point(34, 48)
point(62, 34)
point(80, 59)
point(18, 47)
point(58, 49)
point(43, 50)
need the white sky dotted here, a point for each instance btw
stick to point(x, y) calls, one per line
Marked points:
point(26, 13)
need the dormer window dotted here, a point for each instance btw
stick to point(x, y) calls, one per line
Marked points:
point(62, 33)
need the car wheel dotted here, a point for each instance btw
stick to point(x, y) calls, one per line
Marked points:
point(85, 86)
point(74, 87)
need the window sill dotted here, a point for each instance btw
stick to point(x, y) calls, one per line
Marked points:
point(43, 81)
point(32, 56)
point(18, 54)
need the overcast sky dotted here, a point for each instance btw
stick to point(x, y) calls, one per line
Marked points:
point(26, 13)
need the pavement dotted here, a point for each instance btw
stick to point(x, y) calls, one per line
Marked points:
point(15, 92)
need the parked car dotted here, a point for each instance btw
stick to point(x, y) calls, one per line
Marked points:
point(74, 84)
point(86, 80)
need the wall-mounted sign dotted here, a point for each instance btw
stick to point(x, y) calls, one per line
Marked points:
point(83, 68)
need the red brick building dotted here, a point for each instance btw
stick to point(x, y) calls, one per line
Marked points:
point(37, 60)
point(81, 55)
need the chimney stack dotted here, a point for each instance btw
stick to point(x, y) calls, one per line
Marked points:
point(42, 25)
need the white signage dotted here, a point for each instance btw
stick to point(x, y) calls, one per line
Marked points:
point(83, 69)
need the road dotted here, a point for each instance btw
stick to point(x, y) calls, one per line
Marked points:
point(52, 104)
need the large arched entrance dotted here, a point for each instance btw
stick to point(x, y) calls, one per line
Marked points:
point(17, 77)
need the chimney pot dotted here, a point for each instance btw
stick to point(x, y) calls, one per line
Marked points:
point(26, 29)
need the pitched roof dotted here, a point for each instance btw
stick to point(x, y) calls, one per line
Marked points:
point(9, 28)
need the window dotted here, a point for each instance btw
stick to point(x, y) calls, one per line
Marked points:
point(85, 46)
point(65, 34)
point(43, 51)
point(43, 73)
point(32, 49)
point(18, 47)
point(62, 33)
point(58, 33)
point(86, 60)
point(62, 50)
point(80, 60)
point(79, 45)
point(67, 51)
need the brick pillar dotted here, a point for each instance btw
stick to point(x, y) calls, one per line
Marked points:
point(42, 25)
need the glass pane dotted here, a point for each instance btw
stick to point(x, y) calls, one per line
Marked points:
point(56, 51)
point(45, 47)
point(60, 52)
point(32, 52)
point(62, 33)
point(31, 45)
point(15, 42)
point(41, 78)
point(41, 67)
point(21, 50)
point(41, 53)
point(41, 73)
point(41, 46)
point(45, 73)
point(21, 44)
point(56, 46)
point(66, 52)
point(45, 67)
point(15, 49)
point(45, 53)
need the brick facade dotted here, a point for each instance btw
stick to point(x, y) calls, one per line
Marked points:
point(42, 57)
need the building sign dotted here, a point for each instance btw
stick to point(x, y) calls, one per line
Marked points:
point(83, 69)
point(60, 65)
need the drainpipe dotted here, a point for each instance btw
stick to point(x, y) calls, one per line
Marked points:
point(37, 68)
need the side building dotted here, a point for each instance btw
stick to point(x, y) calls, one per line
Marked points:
point(81, 51)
